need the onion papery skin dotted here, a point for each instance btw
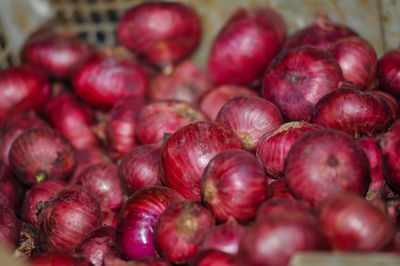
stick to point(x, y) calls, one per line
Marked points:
point(140, 168)
point(41, 153)
point(274, 145)
point(137, 219)
point(322, 163)
point(67, 217)
point(297, 79)
point(250, 117)
point(109, 218)
point(10, 228)
point(122, 126)
point(213, 258)
point(58, 259)
point(12, 191)
point(390, 146)
point(276, 206)
point(353, 111)
point(180, 229)
point(353, 224)
point(177, 33)
point(160, 118)
point(187, 152)
point(234, 184)
point(103, 179)
point(391, 100)
point(213, 100)
point(389, 72)
point(39, 192)
point(28, 243)
point(280, 189)
point(233, 58)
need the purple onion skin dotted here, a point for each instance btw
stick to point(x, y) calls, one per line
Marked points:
point(111, 260)
point(389, 72)
point(389, 143)
point(137, 220)
point(67, 217)
point(354, 112)
point(391, 100)
point(234, 184)
point(213, 258)
point(140, 168)
point(40, 154)
point(354, 224)
point(12, 191)
point(59, 259)
point(279, 189)
point(39, 192)
point(98, 243)
point(322, 163)
point(277, 206)
point(10, 228)
point(297, 79)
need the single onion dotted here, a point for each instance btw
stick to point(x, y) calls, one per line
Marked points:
point(325, 162)
point(137, 220)
point(389, 72)
point(390, 145)
point(108, 76)
point(277, 238)
point(28, 243)
point(187, 152)
point(246, 45)
point(322, 33)
point(296, 79)
point(353, 224)
point(274, 145)
point(213, 258)
point(250, 117)
point(97, 244)
point(180, 229)
point(12, 192)
point(58, 259)
point(160, 118)
point(140, 168)
point(391, 100)
point(67, 217)
point(121, 126)
point(162, 33)
point(234, 184)
point(41, 153)
point(276, 206)
point(103, 180)
point(39, 192)
point(279, 189)
point(212, 101)
point(353, 111)
point(10, 228)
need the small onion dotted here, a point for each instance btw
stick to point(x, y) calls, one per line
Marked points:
point(10, 228)
point(213, 258)
point(391, 100)
point(389, 72)
point(58, 259)
point(276, 206)
point(390, 145)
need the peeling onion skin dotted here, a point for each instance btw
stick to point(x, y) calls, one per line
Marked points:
point(10, 228)
point(233, 58)
point(279, 189)
point(276, 206)
point(57, 259)
point(234, 184)
point(389, 72)
point(322, 163)
point(187, 152)
point(213, 258)
point(297, 79)
point(274, 145)
point(353, 224)
point(391, 100)
point(389, 142)
point(250, 117)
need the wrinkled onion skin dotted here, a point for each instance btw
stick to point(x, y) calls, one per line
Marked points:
point(389, 72)
point(323, 163)
point(276, 206)
point(353, 224)
point(137, 220)
point(391, 100)
point(234, 184)
point(10, 228)
point(187, 152)
point(279, 189)
point(297, 79)
point(390, 146)
point(213, 258)
point(58, 259)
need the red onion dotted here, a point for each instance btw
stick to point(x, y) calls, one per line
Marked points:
point(97, 243)
point(250, 117)
point(162, 33)
point(67, 218)
point(73, 119)
point(58, 259)
point(279, 189)
point(9, 228)
point(390, 145)
point(274, 145)
point(140, 168)
point(322, 33)
point(246, 45)
point(109, 218)
point(22, 88)
point(41, 153)
point(28, 243)
point(213, 258)
point(353, 224)
point(187, 152)
point(56, 53)
point(391, 100)
point(13, 127)
point(180, 229)
point(40, 192)
point(224, 237)
point(121, 126)
point(296, 80)
point(276, 206)
point(106, 77)
point(137, 220)
point(325, 162)
point(103, 180)
point(234, 184)
point(160, 118)
point(11, 192)
point(213, 100)
point(186, 83)
point(353, 111)
point(389, 72)
point(274, 240)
